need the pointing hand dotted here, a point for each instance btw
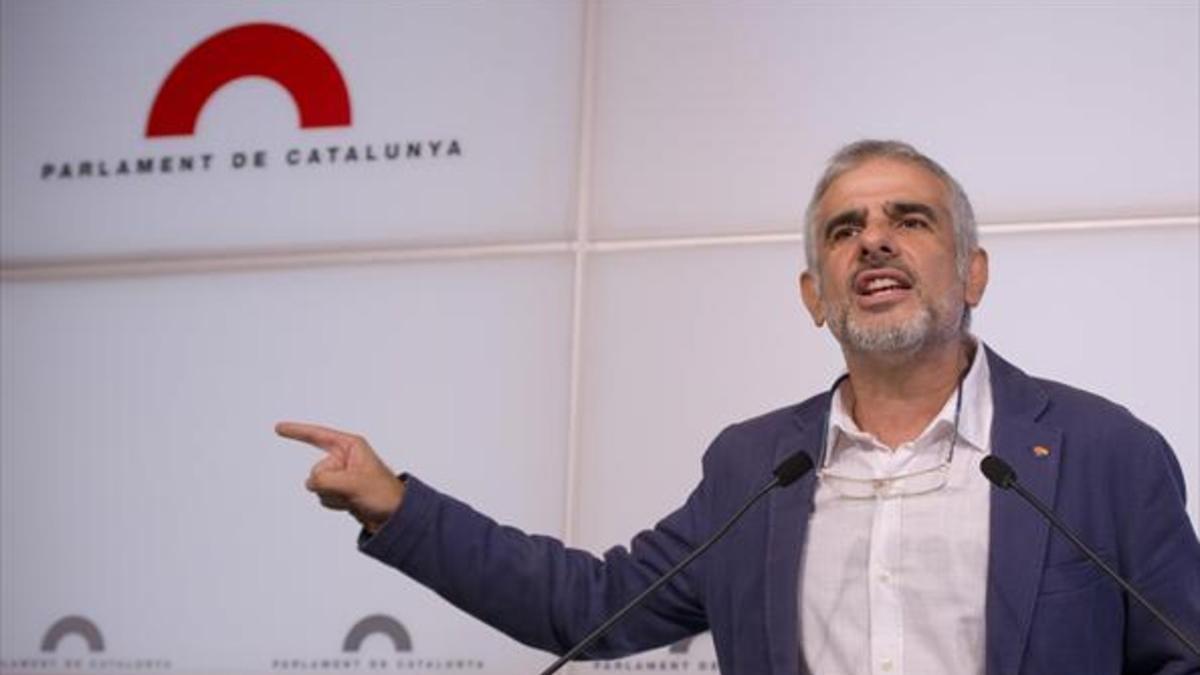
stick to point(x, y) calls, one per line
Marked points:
point(350, 477)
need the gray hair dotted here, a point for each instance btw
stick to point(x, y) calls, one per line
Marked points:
point(966, 232)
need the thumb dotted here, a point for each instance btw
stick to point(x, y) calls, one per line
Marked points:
point(333, 481)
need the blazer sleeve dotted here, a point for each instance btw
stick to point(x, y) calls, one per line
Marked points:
point(1161, 555)
point(540, 592)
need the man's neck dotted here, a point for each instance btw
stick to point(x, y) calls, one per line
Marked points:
point(895, 396)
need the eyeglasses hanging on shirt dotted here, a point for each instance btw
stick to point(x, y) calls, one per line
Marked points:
point(910, 484)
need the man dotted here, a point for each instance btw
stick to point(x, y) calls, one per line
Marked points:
point(896, 556)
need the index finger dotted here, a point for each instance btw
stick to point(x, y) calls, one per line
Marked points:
point(313, 434)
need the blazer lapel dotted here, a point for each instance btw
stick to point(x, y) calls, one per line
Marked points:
point(787, 521)
point(1018, 534)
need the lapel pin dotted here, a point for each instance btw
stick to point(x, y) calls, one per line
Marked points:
point(1041, 451)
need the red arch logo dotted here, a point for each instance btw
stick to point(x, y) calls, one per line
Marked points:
point(282, 54)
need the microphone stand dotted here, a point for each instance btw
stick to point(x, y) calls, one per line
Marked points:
point(1004, 477)
point(786, 473)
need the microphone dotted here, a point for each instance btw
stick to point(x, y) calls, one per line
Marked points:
point(789, 471)
point(1004, 477)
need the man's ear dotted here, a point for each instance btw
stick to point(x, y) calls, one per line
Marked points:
point(977, 277)
point(810, 293)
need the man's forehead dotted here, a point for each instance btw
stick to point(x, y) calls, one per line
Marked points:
point(882, 181)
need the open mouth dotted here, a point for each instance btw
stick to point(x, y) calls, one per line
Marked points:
point(879, 282)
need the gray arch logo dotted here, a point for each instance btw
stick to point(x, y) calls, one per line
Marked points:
point(680, 647)
point(73, 625)
point(381, 624)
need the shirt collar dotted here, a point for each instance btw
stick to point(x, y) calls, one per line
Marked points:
point(974, 423)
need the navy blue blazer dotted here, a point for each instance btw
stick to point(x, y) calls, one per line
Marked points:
point(1048, 610)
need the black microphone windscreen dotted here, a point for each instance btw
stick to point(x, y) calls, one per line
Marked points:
point(998, 471)
point(792, 468)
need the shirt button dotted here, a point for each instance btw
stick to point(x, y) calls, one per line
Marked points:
point(885, 578)
point(886, 665)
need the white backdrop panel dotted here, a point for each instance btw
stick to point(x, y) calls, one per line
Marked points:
point(79, 79)
point(1115, 312)
point(718, 117)
point(142, 487)
point(678, 345)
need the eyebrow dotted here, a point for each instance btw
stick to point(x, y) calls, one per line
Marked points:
point(898, 209)
point(847, 217)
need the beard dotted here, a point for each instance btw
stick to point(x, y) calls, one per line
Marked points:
point(931, 323)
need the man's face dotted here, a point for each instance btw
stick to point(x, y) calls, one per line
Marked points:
point(887, 279)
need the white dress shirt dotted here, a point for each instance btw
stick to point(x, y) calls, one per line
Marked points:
point(895, 583)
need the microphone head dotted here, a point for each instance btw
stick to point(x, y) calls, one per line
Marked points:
point(792, 468)
point(998, 471)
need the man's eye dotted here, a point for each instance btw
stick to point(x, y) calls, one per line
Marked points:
point(913, 223)
point(841, 232)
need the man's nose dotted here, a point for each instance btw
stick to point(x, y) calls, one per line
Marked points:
point(875, 242)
